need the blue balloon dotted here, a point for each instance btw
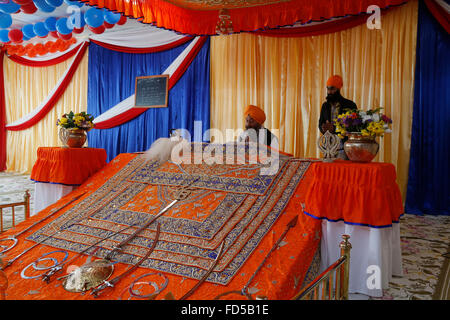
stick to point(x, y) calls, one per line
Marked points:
point(40, 29)
point(111, 17)
point(28, 31)
point(50, 24)
point(61, 26)
point(10, 7)
point(94, 17)
point(74, 3)
point(4, 35)
point(24, 38)
point(43, 6)
point(76, 20)
point(5, 20)
point(54, 3)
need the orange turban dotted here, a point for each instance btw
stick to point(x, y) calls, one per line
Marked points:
point(256, 113)
point(335, 81)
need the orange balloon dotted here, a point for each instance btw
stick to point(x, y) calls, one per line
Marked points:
point(20, 50)
point(11, 50)
point(29, 46)
point(53, 47)
point(32, 53)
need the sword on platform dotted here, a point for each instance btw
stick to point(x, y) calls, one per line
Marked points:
point(52, 213)
point(97, 291)
point(182, 195)
point(10, 262)
point(206, 275)
point(291, 224)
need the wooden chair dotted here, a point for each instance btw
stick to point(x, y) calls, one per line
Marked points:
point(25, 203)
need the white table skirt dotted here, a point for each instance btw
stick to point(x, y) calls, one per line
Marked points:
point(374, 252)
point(46, 194)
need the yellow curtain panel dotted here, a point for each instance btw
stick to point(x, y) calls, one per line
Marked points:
point(287, 78)
point(25, 88)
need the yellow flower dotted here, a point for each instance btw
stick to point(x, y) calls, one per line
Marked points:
point(63, 121)
point(78, 120)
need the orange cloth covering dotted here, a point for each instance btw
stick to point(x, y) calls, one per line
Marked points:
point(280, 278)
point(357, 193)
point(69, 166)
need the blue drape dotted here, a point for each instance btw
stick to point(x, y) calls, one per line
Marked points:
point(111, 79)
point(428, 189)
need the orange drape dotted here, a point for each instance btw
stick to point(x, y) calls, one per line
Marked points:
point(357, 193)
point(70, 166)
point(201, 17)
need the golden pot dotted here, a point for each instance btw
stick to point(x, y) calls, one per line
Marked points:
point(72, 137)
point(360, 148)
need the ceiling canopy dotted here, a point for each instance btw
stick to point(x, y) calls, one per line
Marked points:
point(210, 17)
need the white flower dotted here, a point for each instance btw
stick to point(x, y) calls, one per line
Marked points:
point(366, 117)
point(376, 117)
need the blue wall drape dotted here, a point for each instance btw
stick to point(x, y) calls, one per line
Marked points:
point(111, 79)
point(428, 189)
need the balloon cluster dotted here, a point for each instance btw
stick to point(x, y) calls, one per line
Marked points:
point(32, 50)
point(97, 20)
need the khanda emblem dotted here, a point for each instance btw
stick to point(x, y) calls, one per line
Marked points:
point(329, 144)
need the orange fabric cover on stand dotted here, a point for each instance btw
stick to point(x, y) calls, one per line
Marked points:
point(280, 278)
point(69, 166)
point(356, 193)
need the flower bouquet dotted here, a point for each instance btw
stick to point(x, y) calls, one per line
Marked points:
point(74, 127)
point(371, 123)
point(80, 120)
point(362, 127)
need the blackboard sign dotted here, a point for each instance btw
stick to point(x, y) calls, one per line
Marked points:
point(151, 91)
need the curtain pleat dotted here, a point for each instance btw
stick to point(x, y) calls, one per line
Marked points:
point(25, 88)
point(429, 184)
point(287, 78)
point(112, 79)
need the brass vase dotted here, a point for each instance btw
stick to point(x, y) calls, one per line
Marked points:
point(72, 137)
point(361, 148)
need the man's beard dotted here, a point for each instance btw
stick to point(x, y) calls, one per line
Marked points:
point(254, 128)
point(334, 97)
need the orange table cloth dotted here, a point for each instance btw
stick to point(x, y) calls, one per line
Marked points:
point(68, 166)
point(364, 194)
point(282, 276)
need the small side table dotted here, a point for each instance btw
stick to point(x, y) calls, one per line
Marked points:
point(59, 170)
point(362, 200)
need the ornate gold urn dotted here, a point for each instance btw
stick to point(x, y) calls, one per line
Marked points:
point(72, 137)
point(361, 148)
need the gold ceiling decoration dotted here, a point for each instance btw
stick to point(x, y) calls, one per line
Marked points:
point(221, 4)
point(224, 24)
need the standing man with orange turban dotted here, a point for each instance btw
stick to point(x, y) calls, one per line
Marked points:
point(254, 129)
point(335, 105)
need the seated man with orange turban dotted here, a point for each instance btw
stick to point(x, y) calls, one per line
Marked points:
point(335, 105)
point(254, 129)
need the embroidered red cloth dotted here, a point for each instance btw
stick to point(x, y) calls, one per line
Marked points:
point(202, 17)
point(69, 166)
